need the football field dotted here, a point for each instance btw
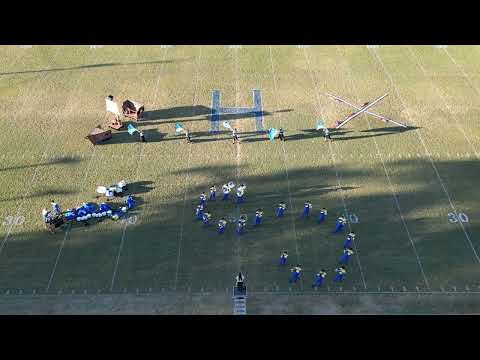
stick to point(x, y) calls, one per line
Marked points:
point(410, 195)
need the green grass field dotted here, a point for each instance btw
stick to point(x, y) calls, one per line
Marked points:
point(397, 187)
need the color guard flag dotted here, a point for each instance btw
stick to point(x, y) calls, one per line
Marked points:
point(320, 125)
point(227, 125)
point(131, 129)
point(272, 133)
point(178, 128)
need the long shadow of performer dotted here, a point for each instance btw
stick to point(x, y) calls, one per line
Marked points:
point(123, 137)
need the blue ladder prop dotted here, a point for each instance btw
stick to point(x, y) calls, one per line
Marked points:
point(217, 110)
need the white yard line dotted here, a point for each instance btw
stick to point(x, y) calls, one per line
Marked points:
point(285, 162)
point(67, 232)
point(114, 275)
point(427, 152)
point(238, 150)
point(392, 190)
point(440, 95)
point(44, 155)
point(462, 70)
point(332, 154)
point(187, 176)
point(52, 274)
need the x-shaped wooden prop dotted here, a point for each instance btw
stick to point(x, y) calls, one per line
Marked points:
point(363, 109)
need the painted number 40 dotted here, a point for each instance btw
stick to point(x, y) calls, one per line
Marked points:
point(453, 218)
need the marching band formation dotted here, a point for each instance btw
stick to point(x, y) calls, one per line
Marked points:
point(203, 215)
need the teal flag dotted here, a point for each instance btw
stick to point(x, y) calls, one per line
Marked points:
point(131, 129)
point(272, 133)
point(320, 125)
point(178, 128)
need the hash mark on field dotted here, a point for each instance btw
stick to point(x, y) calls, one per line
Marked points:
point(35, 173)
point(440, 95)
point(427, 152)
point(292, 212)
point(118, 256)
point(332, 154)
point(136, 177)
point(392, 190)
point(462, 70)
point(187, 176)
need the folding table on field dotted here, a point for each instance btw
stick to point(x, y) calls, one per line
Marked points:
point(98, 135)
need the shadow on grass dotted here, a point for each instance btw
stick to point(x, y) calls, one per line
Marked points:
point(92, 66)
point(389, 130)
point(182, 112)
point(394, 129)
point(139, 187)
point(48, 192)
point(384, 246)
point(176, 112)
point(123, 137)
point(63, 160)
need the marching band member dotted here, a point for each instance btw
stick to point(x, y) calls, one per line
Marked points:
point(203, 199)
point(346, 255)
point(241, 224)
point(322, 216)
point(349, 240)
point(199, 212)
point(340, 273)
point(319, 277)
point(225, 191)
point(221, 225)
point(283, 258)
point(281, 209)
point(296, 272)
point(258, 217)
point(213, 191)
point(306, 209)
point(206, 218)
point(341, 221)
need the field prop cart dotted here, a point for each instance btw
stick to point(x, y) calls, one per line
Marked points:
point(54, 222)
point(112, 191)
point(133, 110)
point(113, 117)
point(98, 135)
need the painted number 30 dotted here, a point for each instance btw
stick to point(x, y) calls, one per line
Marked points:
point(453, 218)
point(13, 220)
